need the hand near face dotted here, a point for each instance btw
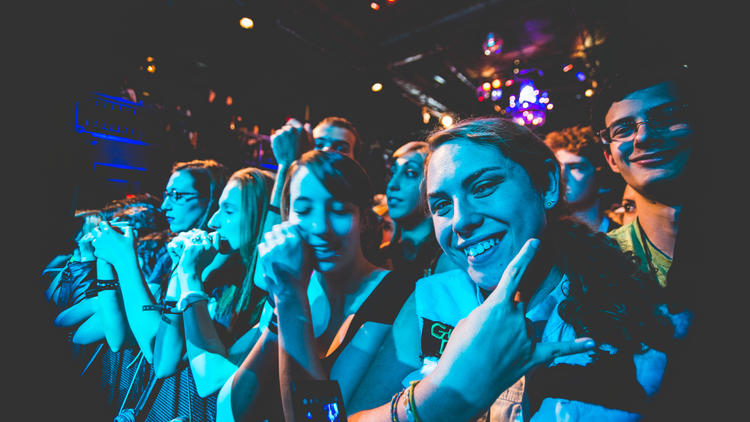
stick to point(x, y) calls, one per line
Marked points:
point(110, 243)
point(198, 250)
point(493, 346)
point(290, 141)
point(85, 249)
point(286, 260)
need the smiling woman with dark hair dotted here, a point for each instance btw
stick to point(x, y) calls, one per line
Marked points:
point(330, 307)
point(506, 327)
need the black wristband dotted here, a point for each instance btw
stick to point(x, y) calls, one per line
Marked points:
point(107, 284)
point(274, 209)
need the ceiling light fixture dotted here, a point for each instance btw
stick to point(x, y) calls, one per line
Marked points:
point(247, 23)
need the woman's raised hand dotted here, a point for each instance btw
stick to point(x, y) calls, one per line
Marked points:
point(198, 249)
point(113, 243)
point(494, 346)
point(286, 260)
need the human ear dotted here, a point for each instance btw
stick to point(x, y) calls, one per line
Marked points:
point(610, 159)
point(552, 193)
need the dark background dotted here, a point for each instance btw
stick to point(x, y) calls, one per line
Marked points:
point(318, 55)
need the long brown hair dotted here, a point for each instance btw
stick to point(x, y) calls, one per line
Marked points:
point(255, 186)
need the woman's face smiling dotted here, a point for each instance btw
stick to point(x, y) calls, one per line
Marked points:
point(329, 226)
point(484, 207)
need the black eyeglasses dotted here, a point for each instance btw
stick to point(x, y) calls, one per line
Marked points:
point(663, 121)
point(179, 197)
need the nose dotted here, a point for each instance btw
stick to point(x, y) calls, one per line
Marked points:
point(318, 223)
point(465, 219)
point(213, 223)
point(393, 184)
point(164, 203)
point(648, 133)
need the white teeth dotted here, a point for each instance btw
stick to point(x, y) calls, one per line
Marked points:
point(480, 247)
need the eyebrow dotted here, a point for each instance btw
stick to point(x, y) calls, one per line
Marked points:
point(649, 111)
point(468, 180)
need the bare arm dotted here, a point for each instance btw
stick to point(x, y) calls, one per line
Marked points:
point(119, 250)
point(110, 310)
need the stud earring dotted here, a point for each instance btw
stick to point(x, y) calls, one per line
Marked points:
point(548, 204)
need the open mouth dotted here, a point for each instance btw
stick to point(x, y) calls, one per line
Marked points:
point(324, 252)
point(482, 247)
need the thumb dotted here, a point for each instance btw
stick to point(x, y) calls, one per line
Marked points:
point(546, 352)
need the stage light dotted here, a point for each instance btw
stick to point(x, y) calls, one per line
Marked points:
point(151, 68)
point(567, 67)
point(509, 82)
point(589, 92)
point(229, 100)
point(486, 86)
point(496, 83)
point(374, 6)
point(149, 59)
point(581, 76)
point(439, 79)
point(246, 23)
point(377, 86)
point(446, 120)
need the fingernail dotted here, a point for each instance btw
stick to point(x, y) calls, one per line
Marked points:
point(534, 243)
point(587, 342)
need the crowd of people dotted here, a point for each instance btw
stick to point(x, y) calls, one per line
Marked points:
point(502, 275)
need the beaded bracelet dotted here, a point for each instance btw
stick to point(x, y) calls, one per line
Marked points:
point(411, 405)
point(394, 408)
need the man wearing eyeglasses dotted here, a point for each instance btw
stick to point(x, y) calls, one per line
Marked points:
point(651, 138)
point(643, 121)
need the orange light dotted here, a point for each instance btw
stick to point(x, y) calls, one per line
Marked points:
point(496, 83)
point(149, 59)
point(589, 92)
point(567, 67)
point(247, 23)
point(486, 86)
point(374, 6)
point(151, 68)
point(229, 100)
point(509, 82)
point(377, 86)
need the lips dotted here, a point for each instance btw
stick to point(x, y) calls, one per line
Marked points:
point(323, 252)
point(652, 157)
point(476, 249)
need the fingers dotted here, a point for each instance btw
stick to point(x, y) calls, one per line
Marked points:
point(508, 285)
point(546, 352)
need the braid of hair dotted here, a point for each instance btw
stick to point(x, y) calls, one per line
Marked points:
point(608, 297)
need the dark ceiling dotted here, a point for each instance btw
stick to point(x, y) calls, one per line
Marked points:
point(312, 58)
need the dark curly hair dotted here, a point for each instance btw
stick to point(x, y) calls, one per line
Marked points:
point(608, 298)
